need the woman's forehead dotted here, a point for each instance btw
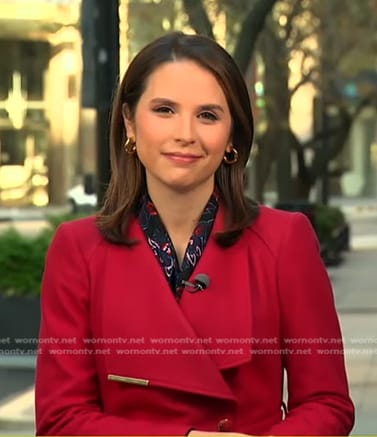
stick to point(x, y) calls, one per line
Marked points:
point(183, 78)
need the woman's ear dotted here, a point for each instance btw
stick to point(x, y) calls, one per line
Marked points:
point(128, 121)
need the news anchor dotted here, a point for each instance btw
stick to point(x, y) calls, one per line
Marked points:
point(178, 308)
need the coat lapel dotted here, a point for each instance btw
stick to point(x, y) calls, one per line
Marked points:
point(222, 312)
point(170, 344)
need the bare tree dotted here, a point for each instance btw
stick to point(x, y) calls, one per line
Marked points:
point(251, 26)
point(278, 37)
point(294, 23)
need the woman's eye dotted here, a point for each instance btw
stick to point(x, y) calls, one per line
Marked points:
point(163, 110)
point(210, 116)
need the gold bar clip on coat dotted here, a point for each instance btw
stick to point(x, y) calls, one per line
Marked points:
point(128, 380)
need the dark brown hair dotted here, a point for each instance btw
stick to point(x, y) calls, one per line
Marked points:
point(127, 181)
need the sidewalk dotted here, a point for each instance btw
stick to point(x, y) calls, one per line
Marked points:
point(355, 289)
point(356, 298)
point(17, 415)
point(10, 214)
point(356, 208)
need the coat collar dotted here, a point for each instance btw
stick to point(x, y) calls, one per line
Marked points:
point(142, 306)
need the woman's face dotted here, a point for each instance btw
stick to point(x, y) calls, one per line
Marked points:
point(182, 127)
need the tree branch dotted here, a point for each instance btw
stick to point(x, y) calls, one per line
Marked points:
point(198, 17)
point(251, 28)
point(347, 121)
point(306, 78)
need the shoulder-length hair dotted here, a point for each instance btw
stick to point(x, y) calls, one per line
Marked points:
point(128, 182)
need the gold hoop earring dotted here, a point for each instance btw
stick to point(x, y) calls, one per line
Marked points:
point(231, 157)
point(130, 146)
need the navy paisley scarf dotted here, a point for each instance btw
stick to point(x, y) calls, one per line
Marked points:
point(162, 246)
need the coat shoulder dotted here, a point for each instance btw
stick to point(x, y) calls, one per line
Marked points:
point(273, 225)
point(83, 232)
point(85, 226)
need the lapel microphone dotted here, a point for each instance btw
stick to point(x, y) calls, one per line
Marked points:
point(201, 282)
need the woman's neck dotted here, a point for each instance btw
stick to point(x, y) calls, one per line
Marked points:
point(180, 212)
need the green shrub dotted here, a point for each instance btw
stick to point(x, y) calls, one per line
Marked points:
point(328, 219)
point(22, 261)
point(55, 220)
point(22, 258)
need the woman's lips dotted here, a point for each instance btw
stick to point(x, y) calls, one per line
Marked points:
point(185, 158)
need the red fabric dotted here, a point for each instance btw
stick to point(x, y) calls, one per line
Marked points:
point(268, 287)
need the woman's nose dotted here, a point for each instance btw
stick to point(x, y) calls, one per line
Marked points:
point(184, 130)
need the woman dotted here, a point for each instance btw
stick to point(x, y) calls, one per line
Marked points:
point(178, 308)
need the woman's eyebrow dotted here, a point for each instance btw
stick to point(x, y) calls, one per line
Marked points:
point(204, 107)
point(163, 100)
point(211, 107)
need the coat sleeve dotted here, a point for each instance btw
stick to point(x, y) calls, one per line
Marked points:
point(68, 395)
point(312, 345)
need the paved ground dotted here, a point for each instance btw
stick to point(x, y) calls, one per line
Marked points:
point(356, 296)
point(355, 288)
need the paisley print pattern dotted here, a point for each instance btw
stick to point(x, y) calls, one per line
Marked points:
point(162, 246)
